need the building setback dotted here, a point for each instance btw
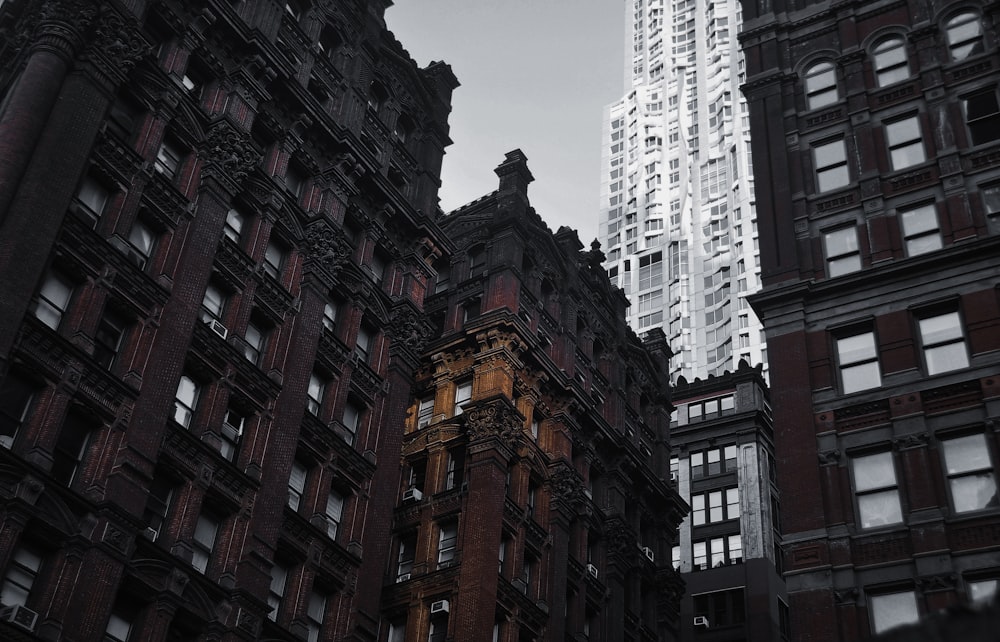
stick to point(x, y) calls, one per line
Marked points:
point(218, 234)
point(729, 548)
point(537, 504)
point(877, 162)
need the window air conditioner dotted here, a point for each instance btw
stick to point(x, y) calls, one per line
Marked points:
point(19, 616)
point(402, 577)
point(592, 570)
point(216, 326)
point(673, 476)
point(649, 553)
point(151, 533)
point(412, 494)
point(441, 606)
point(701, 620)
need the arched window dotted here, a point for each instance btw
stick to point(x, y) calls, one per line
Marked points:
point(891, 65)
point(965, 35)
point(821, 85)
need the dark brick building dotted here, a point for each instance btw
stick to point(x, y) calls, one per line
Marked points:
point(218, 231)
point(215, 256)
point(537, 504)
point(729, 547)
point(877, 166)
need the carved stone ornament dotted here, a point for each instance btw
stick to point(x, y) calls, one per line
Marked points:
point(619, 538)
point(327, 246)
point(565, 485)
point(118, 41)
point(829, 457)
point(846, 596)
point(230, 149)
point(915, 440)
point(408, 328)
point(493, 421)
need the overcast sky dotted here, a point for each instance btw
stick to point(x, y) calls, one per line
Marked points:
point(536, 75)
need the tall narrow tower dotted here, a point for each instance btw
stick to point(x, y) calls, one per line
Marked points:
point(677, 204)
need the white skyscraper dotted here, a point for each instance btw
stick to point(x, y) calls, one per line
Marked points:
point(677, 204)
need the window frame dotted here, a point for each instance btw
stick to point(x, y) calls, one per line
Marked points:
point(46, 301)
point(917, 234)
point(865, 510)
point(830, 170)
point(873, 601)
point(818, 96)
point(886, 65)
point(983, 128)
point(26, 571)
point(981, 466)
point(189, 403)
point(842, 261)
point(923, 319)
point(201, 548)
point(847, 369)
point(956, 47)
point(902, 137)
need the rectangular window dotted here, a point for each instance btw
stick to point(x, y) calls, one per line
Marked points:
point(991, 199)
point(831, 165)
point(920, 230)
point(970, 473)
point(857, 359)
point(108, 339)
point(407, 552)
point(20, 577)
point(205, 532)
point(363, 346)
point(231, 433)
point(154, 514)
point(447, 539)
point(876, 490)
point(438, 631)
point(92, 198)
point(254, 342)
point(71, 448)
point(53, 299)
point(315, 393)
point(905, 145)
point(890, 610)
point(213, 304)
point(721, 608)
point(982, 115)
point(463, 394)
point(296, 485)
point(943, 343)
point(119, 628)
point(697, 510)
point(15, 402)
point(168, 159)
point(455, 469)
point(276, 590)
point(334, 513)
point(425, 412)
point(274, 259)
point(235, 222)
point(352, 420)
point(186, 400)
point(315, 614)
point(843, 255)
point(141, 242)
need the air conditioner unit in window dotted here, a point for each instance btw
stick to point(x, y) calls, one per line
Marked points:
point(701, 620)
point(413, 494)
point(441, 606)
point(19, 616)
point(673, 477)
point(592, 570)
point(649, 553)
point(402, 577)
point(216, 326)
point(151, 533)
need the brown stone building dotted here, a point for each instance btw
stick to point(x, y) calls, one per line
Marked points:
point(536, 504)
point(877, 166)
point(214, 256)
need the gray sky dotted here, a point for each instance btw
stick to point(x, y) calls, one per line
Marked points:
point(536, 75)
